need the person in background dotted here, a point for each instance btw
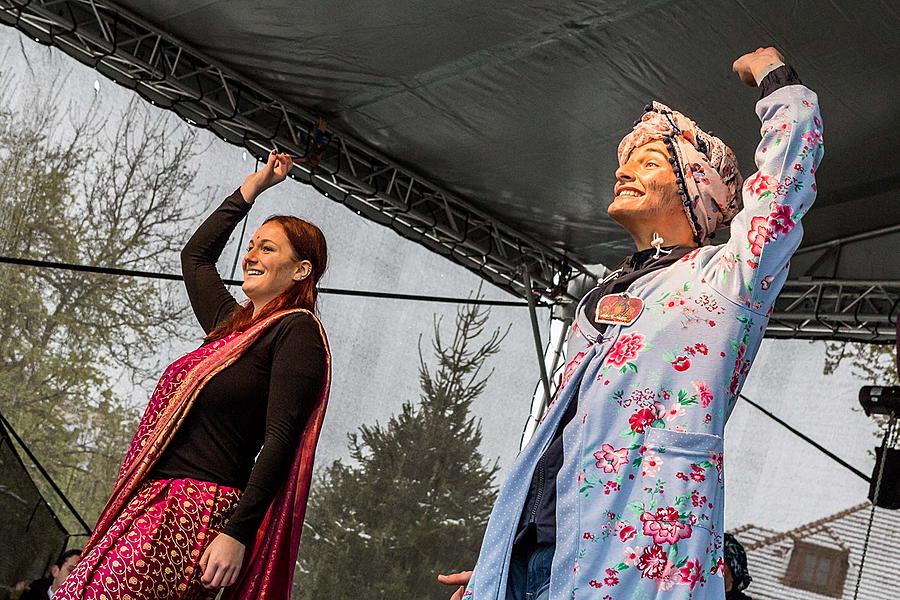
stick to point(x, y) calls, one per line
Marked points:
point(737, 577)
point(41, 589)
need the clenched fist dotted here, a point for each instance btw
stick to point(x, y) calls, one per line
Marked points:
point(752, 64)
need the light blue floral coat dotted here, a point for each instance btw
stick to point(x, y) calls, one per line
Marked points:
point(641, 491)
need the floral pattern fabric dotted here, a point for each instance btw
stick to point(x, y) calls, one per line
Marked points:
point(152, 550)
point(640, 494)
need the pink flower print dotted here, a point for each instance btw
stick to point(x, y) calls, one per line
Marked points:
point(625, 349)
point(595, 584)
point(718, 568)
point(766, 282)
point(701, 348)
point(703, 392)
point(691, 574)
point(681, 364)
point(632, 555)
point(626, 532)
point(652, 562)
point(689, 256)
point(650, 464)
point(699, 173)
point(666, 579)
point(738, 368)
point(641, 419)
point(812, 137)
point(781, 220)
point(758, 234)
point(728, 261)
point(611, 578)
point(571, 367)
point(716, 458)
point(697, 473)
point(675, 411)
point(609, 459)
point(664, 526)
point(759, 184)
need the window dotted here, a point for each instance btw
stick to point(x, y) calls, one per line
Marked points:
point(817, 569)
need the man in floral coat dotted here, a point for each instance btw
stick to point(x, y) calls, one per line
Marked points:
point(619, 495)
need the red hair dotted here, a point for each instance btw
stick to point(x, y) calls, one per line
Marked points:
point(307, 243)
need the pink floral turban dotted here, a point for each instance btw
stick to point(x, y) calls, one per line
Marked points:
point(705, 168)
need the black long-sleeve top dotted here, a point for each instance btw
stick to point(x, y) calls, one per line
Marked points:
point(262, 400)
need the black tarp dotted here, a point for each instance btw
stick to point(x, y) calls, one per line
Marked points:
point(31, 534)
point(518, 106)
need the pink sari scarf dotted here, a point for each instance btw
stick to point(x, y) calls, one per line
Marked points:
point(269, 571)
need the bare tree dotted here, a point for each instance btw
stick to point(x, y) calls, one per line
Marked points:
point(83, 186)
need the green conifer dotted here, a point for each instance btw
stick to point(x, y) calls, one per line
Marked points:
point(417, 498)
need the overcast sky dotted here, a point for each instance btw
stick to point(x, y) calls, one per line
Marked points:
point(774, 480)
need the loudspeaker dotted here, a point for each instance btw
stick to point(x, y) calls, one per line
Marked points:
point(889, 492)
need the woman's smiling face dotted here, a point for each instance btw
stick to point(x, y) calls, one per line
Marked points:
point(270, 265)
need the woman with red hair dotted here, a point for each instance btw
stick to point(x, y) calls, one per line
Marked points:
point(214, 486)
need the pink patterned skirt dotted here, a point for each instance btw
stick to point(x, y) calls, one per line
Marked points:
point(152, 550)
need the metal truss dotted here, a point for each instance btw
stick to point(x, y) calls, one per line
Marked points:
point(171, 75)
point(833, 309)
point(174, 76)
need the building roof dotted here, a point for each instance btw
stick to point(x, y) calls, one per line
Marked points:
point(769, 553)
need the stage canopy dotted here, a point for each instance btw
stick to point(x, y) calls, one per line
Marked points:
point(487, 130)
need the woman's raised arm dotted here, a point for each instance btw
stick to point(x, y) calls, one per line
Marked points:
point(210, 299)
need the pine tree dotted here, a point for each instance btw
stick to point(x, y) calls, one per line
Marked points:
point(418, 497)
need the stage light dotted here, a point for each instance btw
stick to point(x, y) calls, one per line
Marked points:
point(880, 400)
point(884, 488)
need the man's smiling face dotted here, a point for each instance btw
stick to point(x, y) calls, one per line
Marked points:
point(645, 187)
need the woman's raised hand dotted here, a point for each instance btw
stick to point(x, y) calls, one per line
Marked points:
point(273, 172)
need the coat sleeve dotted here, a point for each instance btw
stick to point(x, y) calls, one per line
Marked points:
point(753, 266)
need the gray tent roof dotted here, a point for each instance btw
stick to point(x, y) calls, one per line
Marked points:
point(487, 130)
point(518, 107)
